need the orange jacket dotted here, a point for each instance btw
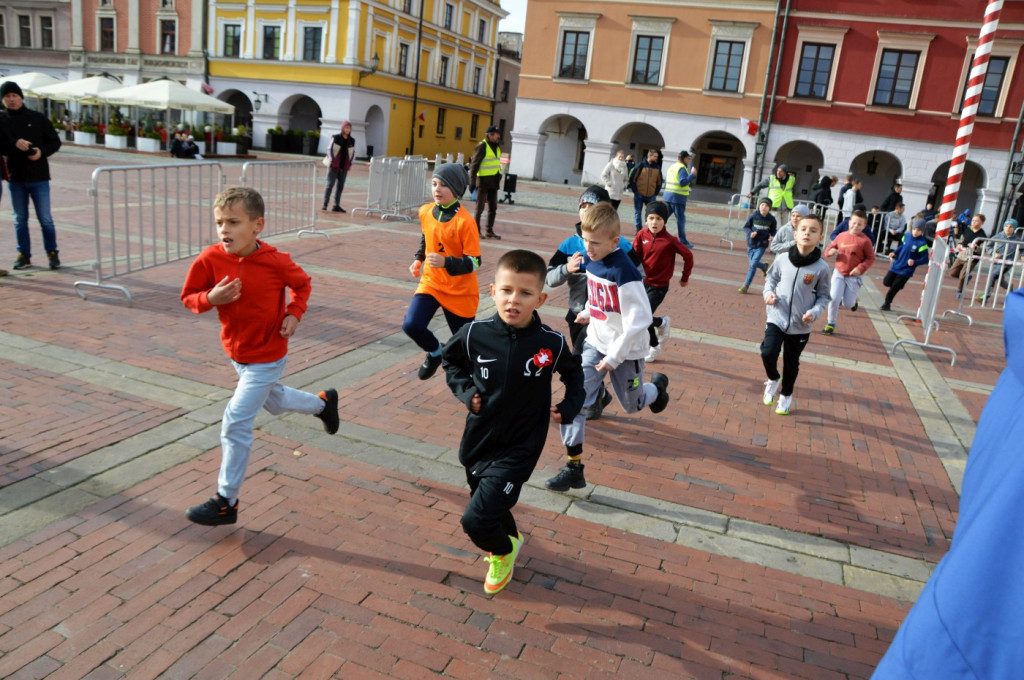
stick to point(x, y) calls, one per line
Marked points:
point(250, 327)
point(457, 237)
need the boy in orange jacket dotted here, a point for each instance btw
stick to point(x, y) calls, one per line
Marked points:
point(245, 279)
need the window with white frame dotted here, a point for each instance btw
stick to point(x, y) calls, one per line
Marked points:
point(232, 42)
point(403, 59)
point(449, 15)
point(3, 30)
point(312, 41)
point(46, 32)
point(407, 6)
point(650, 45)
point(730, 53)
point(440, 121)
point(271, 49)
point(442, 77)
point(477, 78)
point(24, 30)
point(481, 31)
point(814, 70)
point(1001, 67)
point(899, 62)
point(106, 30)
point(168, 36)
point(575, 39)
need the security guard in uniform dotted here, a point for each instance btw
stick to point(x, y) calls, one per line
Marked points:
point(485, 175)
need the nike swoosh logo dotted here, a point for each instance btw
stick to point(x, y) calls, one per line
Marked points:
point(481, 360)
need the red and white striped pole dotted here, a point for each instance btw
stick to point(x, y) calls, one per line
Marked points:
point(937, 265)
point(967, 115)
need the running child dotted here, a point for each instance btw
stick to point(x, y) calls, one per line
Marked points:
point(501, 368)
point(450, 248)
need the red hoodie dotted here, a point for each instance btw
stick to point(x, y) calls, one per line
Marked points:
point(250, 326)
point(657, 253)
point(852, 252)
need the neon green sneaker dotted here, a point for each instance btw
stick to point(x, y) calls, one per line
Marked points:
point(500, 572)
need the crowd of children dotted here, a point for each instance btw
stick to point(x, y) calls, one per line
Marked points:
point(502, 367)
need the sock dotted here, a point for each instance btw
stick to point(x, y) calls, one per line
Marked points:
point(574, 461)
point(436, 353)
point(323, 396)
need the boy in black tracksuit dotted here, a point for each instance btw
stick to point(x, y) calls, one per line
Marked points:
point(501, 368)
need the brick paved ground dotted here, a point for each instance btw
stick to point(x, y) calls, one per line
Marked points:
point(715, 540)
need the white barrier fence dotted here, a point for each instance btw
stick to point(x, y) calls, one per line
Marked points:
point(397, 187)
point(996, 268)
point(148, 215)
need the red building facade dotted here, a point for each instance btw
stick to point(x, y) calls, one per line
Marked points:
point(879, 97)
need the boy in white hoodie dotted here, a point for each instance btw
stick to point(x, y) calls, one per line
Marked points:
point(617, 340)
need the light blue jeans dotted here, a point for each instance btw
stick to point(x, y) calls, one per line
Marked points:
point(679, 210)
point(627, 381)
point(258, 387)
point(39, 192)
point(754, 255)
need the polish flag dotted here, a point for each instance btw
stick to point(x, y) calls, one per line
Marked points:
point(423, 115)
point(205, 87)
point(749, 126)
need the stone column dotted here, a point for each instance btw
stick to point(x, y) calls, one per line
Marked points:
point(595, 157)
point(528, 158)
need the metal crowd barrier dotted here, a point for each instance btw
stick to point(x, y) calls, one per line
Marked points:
point(994, 270)
point(397, 187)
point(291, 191)
point(148, 215)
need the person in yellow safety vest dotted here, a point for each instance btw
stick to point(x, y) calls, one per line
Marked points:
point(678, 179)
point(780, 190)
point(485, 175)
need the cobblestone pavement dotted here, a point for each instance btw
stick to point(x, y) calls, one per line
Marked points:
point(714, 540)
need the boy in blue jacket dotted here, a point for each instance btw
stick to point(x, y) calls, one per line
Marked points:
point(760, 229)
point(912, 253)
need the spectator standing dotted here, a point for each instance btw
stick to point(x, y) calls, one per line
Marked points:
point(894, 197)
point(645, 182)
point(27, 139)
point(678, 179)
point(614, 178)
point(341, 151)
point(485, 175)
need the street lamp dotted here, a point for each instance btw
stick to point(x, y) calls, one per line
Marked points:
point(1016, 173)
point(872, 165)
point(260, 99)
point(374, 65)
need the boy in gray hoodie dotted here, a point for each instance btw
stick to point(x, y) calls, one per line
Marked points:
point(796, 292)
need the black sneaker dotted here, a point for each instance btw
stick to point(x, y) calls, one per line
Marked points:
point(54, 260)
point(22, 262)
point(330, 413)
point(429, 367)
point(856, 306)
point(885, 307)
point(604, 397)
point(491, 234)
point(213, 512)
point(337, 208)
point(324, 207)
point(660, 381)
point(569, 477)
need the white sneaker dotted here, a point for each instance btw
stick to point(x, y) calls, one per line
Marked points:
point(785, 405)
point(653, 354)
point(664, 330)
point(770, 388)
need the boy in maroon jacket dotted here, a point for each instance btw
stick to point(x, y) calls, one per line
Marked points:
point(657, 251)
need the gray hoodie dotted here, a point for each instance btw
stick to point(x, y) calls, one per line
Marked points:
point(798, 290)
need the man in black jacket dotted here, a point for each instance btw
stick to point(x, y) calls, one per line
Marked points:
point(27, 139)
point(485, 175)
point(501, 368)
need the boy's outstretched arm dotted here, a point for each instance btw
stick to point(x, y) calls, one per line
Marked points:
point(570, 372)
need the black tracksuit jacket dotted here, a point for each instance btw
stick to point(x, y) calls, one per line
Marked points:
point(511, 369)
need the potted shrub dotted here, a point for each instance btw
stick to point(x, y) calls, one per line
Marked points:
point(226, 145)
point(311, 143)
point(116, 137)
point(86, 135)
point(149, 142)
point(277, 140)
point(294, 141)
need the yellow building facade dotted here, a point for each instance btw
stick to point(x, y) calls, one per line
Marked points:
point(411, 76)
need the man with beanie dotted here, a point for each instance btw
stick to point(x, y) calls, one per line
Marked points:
point(341, 152)
point(485, 175)
point(27, 139)
point(448, 257)
point(677, 189)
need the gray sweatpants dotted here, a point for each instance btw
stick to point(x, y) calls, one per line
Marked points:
point(627, 381)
